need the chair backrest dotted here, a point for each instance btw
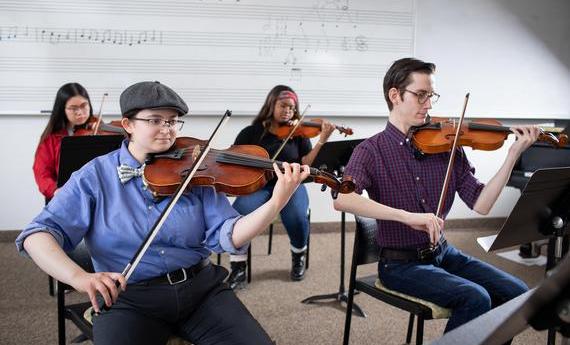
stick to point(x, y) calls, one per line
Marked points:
point(82, 257)
point(365, 245)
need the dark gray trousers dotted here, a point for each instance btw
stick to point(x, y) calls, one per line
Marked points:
point(202, 310)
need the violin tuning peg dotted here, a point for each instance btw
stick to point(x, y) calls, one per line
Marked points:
point(334, 194)
point(323, 187)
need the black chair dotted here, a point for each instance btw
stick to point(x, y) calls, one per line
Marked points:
point(74, 312)
point(269, 245)
point(366, 252)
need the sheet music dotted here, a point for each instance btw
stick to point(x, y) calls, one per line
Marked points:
point(486, 241)
point(219, 53)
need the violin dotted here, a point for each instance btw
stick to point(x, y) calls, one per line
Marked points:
point(94, 126)
point(306, 129)
point(438, 134)
point(238, 170)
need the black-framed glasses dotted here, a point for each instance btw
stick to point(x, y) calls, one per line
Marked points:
point(156, 122)
point(423, 96)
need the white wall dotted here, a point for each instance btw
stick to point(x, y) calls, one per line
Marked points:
point(462, 37)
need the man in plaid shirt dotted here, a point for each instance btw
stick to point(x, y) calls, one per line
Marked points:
point(404, 187)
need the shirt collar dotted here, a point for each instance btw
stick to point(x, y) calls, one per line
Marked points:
point(394, 133)
point(125, 157)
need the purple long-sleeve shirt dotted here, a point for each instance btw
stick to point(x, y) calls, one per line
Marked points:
point(384, 165)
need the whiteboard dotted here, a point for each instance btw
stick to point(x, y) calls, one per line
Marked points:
point(217, 54)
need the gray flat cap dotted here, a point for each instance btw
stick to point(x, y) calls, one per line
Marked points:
point(151, 95)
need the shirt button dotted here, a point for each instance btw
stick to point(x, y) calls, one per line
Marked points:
point(423, 201)
point(401, 143)
point(417, 178)
point(162, 252)
point(150, 207)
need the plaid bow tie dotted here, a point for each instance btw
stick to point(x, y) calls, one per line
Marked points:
point(126, 173)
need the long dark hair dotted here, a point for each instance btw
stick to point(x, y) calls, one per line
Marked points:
point(58, 119)
point(265, 115)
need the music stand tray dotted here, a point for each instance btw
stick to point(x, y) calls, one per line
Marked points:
point(77, 151)
point(333, 157)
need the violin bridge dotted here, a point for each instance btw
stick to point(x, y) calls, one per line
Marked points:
point(196, 152)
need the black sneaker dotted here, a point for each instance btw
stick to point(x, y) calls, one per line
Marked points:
point(237, 278)
point(298, 265)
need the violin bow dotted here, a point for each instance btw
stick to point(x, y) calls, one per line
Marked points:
point(96, 129)
point(451, 159)
point(291, 132)
point(130, 268)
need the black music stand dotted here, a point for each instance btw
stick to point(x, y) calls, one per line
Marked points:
point(542, 211)
point(332, 158)
point(76, 151)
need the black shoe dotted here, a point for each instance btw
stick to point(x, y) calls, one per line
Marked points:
point(236, 279)
point(298, 265)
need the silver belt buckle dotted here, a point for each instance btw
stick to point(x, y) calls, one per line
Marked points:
point(184, 278)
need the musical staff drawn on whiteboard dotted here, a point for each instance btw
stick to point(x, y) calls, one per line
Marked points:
point(23, 64)
point(321, 12)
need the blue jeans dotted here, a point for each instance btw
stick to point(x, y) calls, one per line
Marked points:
point(468, 286)
point(293, 215)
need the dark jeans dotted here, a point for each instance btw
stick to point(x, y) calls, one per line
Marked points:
point(202, 310)
point(453, 280)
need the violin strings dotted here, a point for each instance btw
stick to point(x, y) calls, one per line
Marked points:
point(247, 160)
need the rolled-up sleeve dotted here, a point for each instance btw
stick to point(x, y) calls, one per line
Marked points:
point(220, 218)
point(358, 168)
point(468, 186)
point(66, 217)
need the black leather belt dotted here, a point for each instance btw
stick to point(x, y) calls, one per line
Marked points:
point(419, 254)
point(180, 275)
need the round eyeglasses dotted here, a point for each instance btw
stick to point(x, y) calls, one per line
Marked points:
point(423, 96)
point(176, 124)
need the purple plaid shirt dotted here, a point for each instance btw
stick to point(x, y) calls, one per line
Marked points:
point(384, 165)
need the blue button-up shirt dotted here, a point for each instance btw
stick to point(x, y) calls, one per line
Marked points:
point(385, 166)
point(114, 218)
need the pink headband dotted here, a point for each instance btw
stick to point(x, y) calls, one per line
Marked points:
point(288, 94)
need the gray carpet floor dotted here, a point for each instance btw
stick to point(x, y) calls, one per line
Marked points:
point(28, 313)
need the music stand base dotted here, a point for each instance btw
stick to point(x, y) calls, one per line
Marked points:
point(340, 297)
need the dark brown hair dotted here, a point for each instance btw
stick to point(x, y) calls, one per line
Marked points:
point(398, 75)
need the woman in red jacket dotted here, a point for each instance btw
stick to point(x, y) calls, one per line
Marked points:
point(71, 109)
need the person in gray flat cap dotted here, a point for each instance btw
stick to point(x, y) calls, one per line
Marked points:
point(175, 290)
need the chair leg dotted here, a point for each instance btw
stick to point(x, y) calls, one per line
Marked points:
point(308, 252)
point(51, 288)
point(420, 331)
point(79, 339)
point(308, 240)
point(249, 264)
point(270, 239)
point(410, 329)
point(219, 259)
point(60, 315)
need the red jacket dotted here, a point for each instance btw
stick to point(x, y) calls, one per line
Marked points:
point(46, 163)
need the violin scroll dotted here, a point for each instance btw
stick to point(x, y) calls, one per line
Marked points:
point(558, 141)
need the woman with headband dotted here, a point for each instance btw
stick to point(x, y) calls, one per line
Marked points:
point(281, 106)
